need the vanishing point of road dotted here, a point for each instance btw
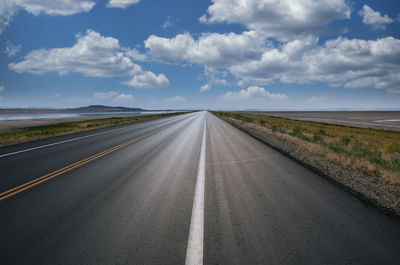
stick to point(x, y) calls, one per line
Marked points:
point(188, 189)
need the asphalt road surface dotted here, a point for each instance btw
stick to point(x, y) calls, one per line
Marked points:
point(388, 120)
point(186, 189)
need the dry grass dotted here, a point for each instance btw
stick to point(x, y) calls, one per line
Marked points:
point(47, 131)
point(374, 151)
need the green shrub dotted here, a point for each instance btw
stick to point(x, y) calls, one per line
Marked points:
point(304, 137)
point(373, 155)
point(337, 147)
point(392, 148)
point(297, 131)
point(316, 138)
point(319, 131)
point(247, 119)
point(396, 164)
point(345, 140)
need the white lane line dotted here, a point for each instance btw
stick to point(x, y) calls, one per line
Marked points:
point(62, 142)
point(394, 120)
point(65, 141)
point(194, 253)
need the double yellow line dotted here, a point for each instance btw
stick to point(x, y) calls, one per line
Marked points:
point(37, 181)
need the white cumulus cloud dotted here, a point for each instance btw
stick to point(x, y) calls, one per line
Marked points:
point(205, 87)
point(356, 63)
point(256, 61)
point(92, 55)
point(135, 54)
point(8, 8)
point(123, 98)
point(253, 92)
point(173, 50)
point(282, 19)
point(121, 3)
point(339, 62)
point(374, 18)
point(147, 79)
point(215, 76)
point(212, 49)
point(56, 7)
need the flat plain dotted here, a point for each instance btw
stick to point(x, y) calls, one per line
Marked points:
point(388, 120)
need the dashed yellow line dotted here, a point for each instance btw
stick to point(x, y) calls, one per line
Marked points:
point(37, 181)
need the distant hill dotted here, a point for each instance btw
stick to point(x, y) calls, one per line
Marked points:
point(87, 109)
point(102, 108)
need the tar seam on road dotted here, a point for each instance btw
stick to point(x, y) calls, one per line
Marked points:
point(194, 253)
point(37, 181)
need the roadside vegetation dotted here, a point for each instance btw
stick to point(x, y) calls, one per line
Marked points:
point(47, 131)
point(373, 151)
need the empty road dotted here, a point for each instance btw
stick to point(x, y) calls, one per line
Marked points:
point(189, 189)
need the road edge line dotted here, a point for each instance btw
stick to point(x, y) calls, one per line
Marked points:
point(194, 253)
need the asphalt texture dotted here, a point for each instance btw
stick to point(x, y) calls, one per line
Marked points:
point(134, 204)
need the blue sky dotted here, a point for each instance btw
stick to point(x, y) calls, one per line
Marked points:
point(228, 54)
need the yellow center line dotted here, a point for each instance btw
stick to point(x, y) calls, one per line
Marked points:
point(37, 181)
point(29, 182)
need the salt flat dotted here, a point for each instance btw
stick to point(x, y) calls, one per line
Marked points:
point(389, 120)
